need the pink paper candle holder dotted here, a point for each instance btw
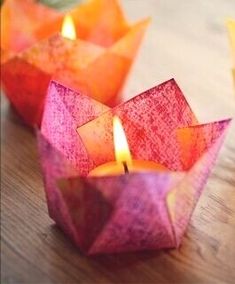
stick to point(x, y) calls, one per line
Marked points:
point(136, 211)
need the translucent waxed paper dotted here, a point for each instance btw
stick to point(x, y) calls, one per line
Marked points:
point(127, 212)
point(96, 64)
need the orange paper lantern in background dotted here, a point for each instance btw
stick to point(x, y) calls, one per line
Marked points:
point(231, 29)
point(96, 63)
point(20, 20)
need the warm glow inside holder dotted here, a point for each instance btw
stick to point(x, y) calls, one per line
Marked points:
point(143, 210)
point(96, 63)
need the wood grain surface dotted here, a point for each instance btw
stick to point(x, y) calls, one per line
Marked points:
point(187, 40)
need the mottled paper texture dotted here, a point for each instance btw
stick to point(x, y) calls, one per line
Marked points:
point(96, 64)
point(20, 23)
point(131, 212)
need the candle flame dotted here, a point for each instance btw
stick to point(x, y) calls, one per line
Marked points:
point(122, 152)
point(68, 29)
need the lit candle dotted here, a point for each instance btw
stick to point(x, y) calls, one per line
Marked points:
point(68, 29)
point(77, 49)
point(124, 162)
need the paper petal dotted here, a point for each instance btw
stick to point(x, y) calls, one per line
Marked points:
point(25, 86)
point(65, 110)
point(55, 166)
point(100, 21)
point(124, 213)
point(150, 121)
point(132, 40)
point(199, 147)
point(21, 19)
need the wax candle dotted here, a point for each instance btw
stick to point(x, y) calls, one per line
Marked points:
point(124, 163)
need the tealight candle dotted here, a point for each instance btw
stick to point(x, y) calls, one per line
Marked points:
point(124, 163)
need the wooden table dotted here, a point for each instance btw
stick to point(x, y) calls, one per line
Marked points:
point(188, 41)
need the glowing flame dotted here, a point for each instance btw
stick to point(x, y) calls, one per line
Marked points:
point(68, 29)
point(122, 152)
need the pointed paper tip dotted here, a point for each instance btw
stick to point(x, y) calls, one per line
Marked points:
point(143, 23)
point(147, 20)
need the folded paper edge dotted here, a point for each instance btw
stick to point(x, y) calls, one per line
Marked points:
point(215, 147)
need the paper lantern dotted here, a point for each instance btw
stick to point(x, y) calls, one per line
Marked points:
point(127, 212)
point(96, 63)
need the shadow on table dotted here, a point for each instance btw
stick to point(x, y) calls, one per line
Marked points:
point(110, 261)
point(134, 267)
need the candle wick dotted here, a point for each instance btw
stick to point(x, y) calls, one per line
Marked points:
point(126, 170)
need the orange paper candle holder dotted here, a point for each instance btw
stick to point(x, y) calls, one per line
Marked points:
point(126, 212)
point(96, 63)
point(231, 29)
point(21, 21)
